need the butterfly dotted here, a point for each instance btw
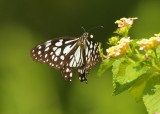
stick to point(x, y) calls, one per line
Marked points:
point(66, 53)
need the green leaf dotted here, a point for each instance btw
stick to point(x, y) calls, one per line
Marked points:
point(107, 63)
point(125, 74)
point(152, 100)
point(144, 84)
point(137, 90)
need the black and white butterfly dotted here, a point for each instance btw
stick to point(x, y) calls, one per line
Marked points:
point(65, 53)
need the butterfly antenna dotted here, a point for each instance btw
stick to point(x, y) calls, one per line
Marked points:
point(83, 29)
point(95, 27)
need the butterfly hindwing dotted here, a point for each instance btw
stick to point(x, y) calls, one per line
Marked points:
point(82, 73)
point(67, 73)
point(91, 54)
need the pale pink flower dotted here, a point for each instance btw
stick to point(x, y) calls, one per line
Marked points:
point(125, 22)
point(146, 44)
point(119, 49)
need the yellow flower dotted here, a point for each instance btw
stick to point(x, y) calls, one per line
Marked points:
point(125, 22)
point(119, 49)
point(157, 35)
point(113, 51)
point(146, 44)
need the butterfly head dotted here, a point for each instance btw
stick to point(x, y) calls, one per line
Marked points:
point(86, 35)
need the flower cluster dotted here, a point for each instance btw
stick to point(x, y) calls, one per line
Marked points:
point(119, 49)
point(124, 22)
point(124, 55)
point(146, 44)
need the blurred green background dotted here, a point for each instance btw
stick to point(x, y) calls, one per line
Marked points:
point(27, 87)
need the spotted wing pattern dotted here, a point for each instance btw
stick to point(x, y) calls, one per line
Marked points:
point(67, 53)
point(91, 56)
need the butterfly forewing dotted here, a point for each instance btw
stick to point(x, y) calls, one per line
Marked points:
point(54, 52)
point(65, 53)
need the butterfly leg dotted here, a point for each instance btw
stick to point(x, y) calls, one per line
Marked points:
point(82, 74)
point(67, 73)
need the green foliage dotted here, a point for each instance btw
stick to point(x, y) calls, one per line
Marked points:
point(125, 74)
point(135, 65)
point(152, 100)
point(107, 63)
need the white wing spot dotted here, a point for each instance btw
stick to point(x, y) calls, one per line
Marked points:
point(95, 56)
point(94, 52)
point(86, 50)
point(71, 56)
point(62, 57)
point(67, 49)
point(88, 59)
point(39, 46)
point(55, 59)
point(67, 70)
point(95, 46)
point(58, 43)
point(46, 49)
point(51, 53)
point(32, 51)
point(74, 64)
point(54, 48)
point(77, 54)
point(46, 55)
point(61, 63)
point(48, 44)
point(70, 74)
point(70, 41)
point(91, 45)
point(58, 51)
point(81, 71)
point(70, 64)
point(39, 52)
point(97, 51)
